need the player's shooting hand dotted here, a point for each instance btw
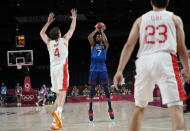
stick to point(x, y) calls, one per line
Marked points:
point(51, 17)
point(73, 13)
point(186, 75)
point(97, 30)
point(117, 79)
point(103, 28)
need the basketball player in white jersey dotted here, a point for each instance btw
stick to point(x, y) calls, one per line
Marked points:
point(58, 52)
point(161, 36)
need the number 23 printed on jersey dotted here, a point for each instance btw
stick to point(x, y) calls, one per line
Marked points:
point(160, 29)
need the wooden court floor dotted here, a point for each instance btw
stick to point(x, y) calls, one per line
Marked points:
point(76, 118)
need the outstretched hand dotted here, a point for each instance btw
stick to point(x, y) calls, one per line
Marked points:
point(73, 13)
point(117, 79)
point(51, 17)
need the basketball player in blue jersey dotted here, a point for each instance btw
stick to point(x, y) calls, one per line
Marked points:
point(98, 69)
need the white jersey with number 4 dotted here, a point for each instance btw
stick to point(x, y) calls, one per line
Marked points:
point(59, 65)
point(157, 33)
point(58, 52)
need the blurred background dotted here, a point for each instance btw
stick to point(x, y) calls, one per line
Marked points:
point(27, 17)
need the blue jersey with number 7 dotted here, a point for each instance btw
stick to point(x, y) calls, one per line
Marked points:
point(98, 58)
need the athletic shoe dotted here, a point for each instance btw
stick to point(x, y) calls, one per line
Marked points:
point(90, 113)
point(57, 119)
point(37, 104)
point(55, 127)
point(111, 114)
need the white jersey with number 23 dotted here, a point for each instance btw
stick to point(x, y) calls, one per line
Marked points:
point(157, 33)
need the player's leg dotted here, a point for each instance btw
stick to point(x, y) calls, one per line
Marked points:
point(176, 113)
point(44, 100)
point(143, 93)
point(54, 109)
point(171, 97)
point(39, 100)
point(55, 103)
point(135, 120)
point(59, 84)
point(61, 99)
point(91, 95)
point(141, 103)
point(19, 98)
point(172, 90)
point(58, 108)
point(104, 82)
point(107, 93)
point(63, 82)
point(92, 84)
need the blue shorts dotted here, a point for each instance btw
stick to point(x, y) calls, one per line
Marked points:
point(97, 76)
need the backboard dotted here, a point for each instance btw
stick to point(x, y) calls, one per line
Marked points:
point(17, 56)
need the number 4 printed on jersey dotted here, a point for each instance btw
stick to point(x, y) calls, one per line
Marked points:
point(155, 30)
point(56, 53)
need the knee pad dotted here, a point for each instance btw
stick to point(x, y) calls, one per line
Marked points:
point(176, 103)
point(141, 103)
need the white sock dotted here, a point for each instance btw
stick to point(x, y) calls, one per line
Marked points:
point(180, 130)
point(54, 122)
point(59, 110)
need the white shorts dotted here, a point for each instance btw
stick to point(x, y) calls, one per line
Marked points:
point(59, 78)
point(162, 69)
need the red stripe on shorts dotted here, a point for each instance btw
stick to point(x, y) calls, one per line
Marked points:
point(182, 94)
point(65, 76)
point(92, 83)
point(104, 83)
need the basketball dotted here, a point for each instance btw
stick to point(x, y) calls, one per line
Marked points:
point(115, 64)
point(99, 25)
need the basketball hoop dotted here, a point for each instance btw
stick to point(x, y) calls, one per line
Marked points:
point(19, 65)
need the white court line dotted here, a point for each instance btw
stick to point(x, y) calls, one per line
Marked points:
point(107, 125)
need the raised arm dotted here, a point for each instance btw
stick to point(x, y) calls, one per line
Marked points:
point(91, 37)
point(181, 48)
point(127, 51)
point(105, 40)
point(71, 30)
point(43, 30)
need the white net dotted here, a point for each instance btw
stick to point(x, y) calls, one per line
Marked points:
point(19, 65)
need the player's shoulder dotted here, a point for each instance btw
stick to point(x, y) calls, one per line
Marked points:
point(176, 19)
point(138, 21)
point(63, 39)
